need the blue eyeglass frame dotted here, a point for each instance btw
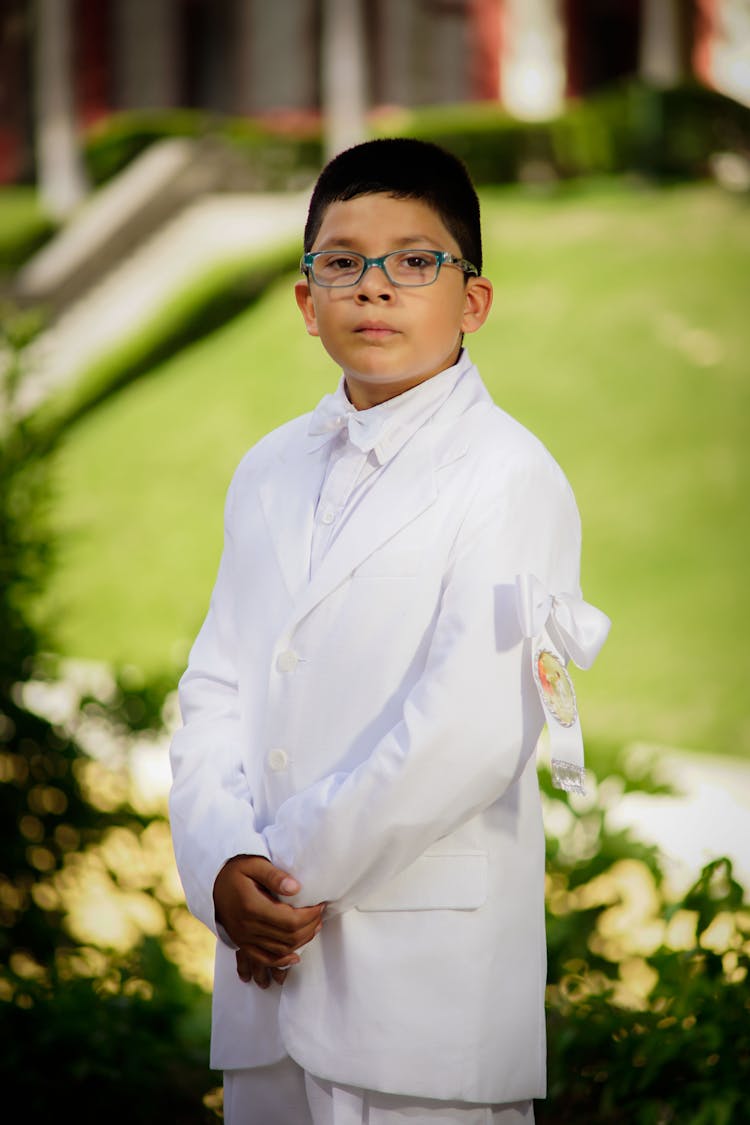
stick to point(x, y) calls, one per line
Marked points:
point(444, 258)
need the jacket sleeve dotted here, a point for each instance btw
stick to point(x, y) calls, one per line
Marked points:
point(210, 804)
point(470, 723)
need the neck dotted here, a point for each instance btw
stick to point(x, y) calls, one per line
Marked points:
point(364, 393)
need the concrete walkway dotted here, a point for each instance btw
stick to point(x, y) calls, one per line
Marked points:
point(709, 818)
point(212, 232)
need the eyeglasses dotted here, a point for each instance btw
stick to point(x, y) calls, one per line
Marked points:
point(337, 269)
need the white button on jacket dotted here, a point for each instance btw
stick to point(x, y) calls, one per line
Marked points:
point(287, 661)
point(278, 759)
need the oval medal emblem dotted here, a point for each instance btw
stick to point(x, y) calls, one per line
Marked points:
point(555, 687)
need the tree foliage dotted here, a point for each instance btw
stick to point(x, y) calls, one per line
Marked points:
point(86, 1032)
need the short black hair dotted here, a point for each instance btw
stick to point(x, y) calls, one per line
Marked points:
point(406, 169)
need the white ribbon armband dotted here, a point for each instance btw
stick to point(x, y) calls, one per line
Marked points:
point(561, 627)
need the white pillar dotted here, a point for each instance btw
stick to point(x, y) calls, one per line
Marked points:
point(532, 67)
point(343, 75)
point(60, 174)
point(730, 53)
point(660, 50)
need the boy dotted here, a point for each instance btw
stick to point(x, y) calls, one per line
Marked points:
point(355, 808)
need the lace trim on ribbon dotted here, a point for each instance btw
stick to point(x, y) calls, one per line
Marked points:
point(567, 776)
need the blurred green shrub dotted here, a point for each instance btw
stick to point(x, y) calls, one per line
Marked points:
point(491, 142)
point(278, 159)
point(24, 226)
point(626, 127)
point(43, 813)
point(629, 127)
point(127, 1045)
point(87, 1033)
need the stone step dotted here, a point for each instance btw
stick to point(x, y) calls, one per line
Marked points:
point(213, 231)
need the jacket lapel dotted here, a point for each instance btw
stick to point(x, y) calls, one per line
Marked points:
point(289, 491)
point(405, 490)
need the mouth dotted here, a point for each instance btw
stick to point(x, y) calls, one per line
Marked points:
point(375, 329)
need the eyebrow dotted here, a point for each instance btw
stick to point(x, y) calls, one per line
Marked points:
point(348, 242)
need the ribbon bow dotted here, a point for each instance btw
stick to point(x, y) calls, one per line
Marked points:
point(330, 416)
point(569, 624)
point(582, 627)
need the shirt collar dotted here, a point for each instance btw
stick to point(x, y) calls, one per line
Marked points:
point(387, 427)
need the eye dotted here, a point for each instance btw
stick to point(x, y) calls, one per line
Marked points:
point(339, 263)
point(416, 261)
point(336, 267)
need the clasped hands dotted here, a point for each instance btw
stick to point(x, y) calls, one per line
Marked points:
point(266, 930)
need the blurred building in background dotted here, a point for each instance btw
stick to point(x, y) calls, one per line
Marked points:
point(286, 59)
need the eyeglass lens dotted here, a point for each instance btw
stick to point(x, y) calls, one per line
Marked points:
point(402, 267)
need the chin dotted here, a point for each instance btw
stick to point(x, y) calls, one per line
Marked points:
point(377, 368)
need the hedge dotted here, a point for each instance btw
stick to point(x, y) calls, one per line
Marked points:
point(629, 127)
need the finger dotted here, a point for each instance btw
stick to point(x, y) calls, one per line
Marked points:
point(289, 921)
point(282, 963)
point(273, 878)
point(254, 967)
point(306, 934)
point(251, 970)
point(279, 975)
point(284, 930)
point(258, 955)
point(270, 951)
point(244, 970)
point(275, 953)
point(259, 900)
point(261, 976)
point(250, 934)
point(298, 934)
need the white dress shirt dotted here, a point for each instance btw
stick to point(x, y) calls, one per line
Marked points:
point(362, 444)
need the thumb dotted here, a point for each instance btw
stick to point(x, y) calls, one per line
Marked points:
point(278, 881)
point(288, 884)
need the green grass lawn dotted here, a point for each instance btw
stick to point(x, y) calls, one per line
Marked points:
point(619, 333)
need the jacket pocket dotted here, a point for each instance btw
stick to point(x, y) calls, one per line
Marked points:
point(444, 881)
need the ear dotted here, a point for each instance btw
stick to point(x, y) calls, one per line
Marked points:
point(306, 306)
point(477, 303)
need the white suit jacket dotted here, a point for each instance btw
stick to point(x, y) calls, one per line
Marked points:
point(372, 731)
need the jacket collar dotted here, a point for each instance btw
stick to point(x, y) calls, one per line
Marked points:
point(384, 429)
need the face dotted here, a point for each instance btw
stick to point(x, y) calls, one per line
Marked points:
point(389, 338)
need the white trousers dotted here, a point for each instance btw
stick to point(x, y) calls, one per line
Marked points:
point(283, 1094)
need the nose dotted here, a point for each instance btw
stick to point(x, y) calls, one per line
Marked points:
point(374, 285)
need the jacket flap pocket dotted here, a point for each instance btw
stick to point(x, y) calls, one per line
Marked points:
point(434, 882)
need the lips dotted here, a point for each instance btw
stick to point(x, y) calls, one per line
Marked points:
point(375, 328)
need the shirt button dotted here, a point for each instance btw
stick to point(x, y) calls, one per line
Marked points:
point(328, 515)
point(286, 661)
point(278, 759)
